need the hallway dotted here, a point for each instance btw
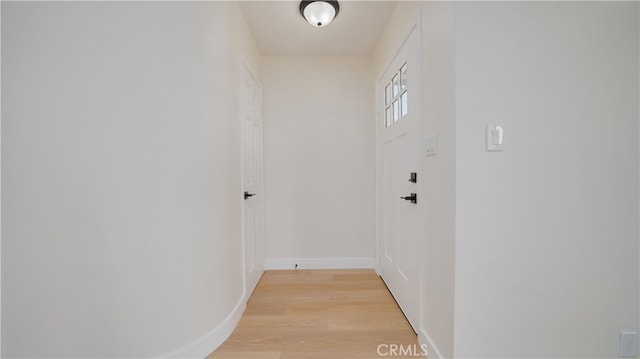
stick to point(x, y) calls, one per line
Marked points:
point(481, 157)
point(319, 314)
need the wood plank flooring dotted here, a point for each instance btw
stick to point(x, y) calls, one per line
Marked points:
point(337, 314)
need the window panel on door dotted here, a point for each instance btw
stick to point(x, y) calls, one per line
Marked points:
point(396, 110)
point(396, 85)
point(388, 117)
point(396, 98)
point(403, 101)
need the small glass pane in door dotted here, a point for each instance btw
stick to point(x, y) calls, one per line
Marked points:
point(396, 85)
point(387, 94)
point(403, 100)
point(403, 77)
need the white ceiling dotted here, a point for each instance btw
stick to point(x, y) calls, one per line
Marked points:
point(279, 29)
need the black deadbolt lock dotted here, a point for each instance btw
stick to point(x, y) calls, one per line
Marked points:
point(413, 178)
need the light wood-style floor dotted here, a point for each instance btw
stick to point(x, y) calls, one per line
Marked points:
point(331, 314)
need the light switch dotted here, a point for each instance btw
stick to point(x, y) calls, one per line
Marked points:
point(495, 138)
point(628, 344)
point(431, 145)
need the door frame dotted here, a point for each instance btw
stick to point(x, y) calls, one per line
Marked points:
point(415, 24)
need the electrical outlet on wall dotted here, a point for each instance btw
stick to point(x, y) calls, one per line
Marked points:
point(628, 344)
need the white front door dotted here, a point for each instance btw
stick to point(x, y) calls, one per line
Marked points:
point(252, 180)
point(398, 151)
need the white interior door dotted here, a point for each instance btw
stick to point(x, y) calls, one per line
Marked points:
point(252, 180)
point(398, 150)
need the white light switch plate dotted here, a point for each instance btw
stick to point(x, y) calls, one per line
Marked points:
point(431, 145)
point(628, 344)
point(495, 138)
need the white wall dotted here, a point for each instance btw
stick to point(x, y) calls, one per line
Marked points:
point(0, 183)
point(439, 185)
point(403, 14)
point(120, 176)
point(319, 157)
point(546, 231)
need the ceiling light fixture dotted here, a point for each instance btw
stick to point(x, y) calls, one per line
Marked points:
point(319, 13)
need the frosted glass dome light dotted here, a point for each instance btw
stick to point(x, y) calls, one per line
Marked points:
point(319, 13)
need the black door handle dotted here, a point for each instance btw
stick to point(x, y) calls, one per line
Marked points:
point(413, 198)
point(248, 195)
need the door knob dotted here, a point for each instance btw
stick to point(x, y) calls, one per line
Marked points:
point(248, 195)
point(413, 198)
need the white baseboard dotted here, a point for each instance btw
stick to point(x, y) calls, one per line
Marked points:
point(433, 351)
point(209, 342)
point(320, 263)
